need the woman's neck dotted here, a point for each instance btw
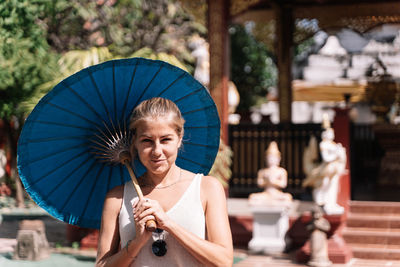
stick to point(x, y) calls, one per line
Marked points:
point(164, 179)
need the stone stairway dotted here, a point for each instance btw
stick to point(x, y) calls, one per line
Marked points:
point(373, 230)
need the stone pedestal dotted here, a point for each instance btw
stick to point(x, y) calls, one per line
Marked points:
point(31, 241)
point(270, 224)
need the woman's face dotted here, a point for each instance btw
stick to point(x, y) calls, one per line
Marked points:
point(157, 144)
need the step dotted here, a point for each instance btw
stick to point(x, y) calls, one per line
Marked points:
point(377, 252)
point(378, 207)
point(354, 235)
point(373, 220)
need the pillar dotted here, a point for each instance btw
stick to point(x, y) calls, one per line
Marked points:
point(218, 38)
point(284, 32)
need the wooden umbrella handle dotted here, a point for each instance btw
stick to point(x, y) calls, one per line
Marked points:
point(151, 225)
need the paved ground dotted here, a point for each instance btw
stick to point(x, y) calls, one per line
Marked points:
point(73, 258)
point(55, 232)
point(285, 260)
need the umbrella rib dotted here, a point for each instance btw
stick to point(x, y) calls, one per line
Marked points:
point(84, 102)
point(169, 86)
point(194, 162)
point(192, 93)
point(68, 176)
point(54, 169)
point(144, 90)
point(114, 91)
point(196, 110)
point(109, 131)
point(40, 140)
point(201, 127)
point(106, 139)
point(76, 186)
point(129, 91)
point(63, 124)
point(52, 154)
point(109, 179)
point(100, 97)
point(73, 113)
point(202, 145)
point(91, 191)
point(121, 173)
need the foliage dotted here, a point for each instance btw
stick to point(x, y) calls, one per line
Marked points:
point(221, 168)
point(150, 54)
point(68, 64)
point(252, 69)
point(25, 61)
point(123, 26)
point(75, 60)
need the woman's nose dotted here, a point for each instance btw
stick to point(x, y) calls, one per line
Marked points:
point(156, 149)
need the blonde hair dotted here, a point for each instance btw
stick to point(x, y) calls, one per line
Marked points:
point(154, 108)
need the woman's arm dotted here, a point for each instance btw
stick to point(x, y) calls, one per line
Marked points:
point(217, 250)
point(108, 253)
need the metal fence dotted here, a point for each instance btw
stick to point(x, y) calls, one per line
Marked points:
point(365, 160)
point(249, 142)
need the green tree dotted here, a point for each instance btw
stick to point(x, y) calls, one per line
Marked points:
point(252, 69)
point(123, 26)
point(25, 63)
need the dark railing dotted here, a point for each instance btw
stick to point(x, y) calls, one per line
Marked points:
point(366, 155)
point(249, 142)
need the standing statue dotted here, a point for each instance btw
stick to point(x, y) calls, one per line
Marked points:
point(273, 179)
point(319, 228)
point(324, 177)
point(200, 52)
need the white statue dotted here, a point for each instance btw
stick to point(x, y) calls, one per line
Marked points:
point(200, 52)
point(324, 177)
point(273, 179)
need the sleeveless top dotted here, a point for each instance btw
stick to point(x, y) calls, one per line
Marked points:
point(188, 212)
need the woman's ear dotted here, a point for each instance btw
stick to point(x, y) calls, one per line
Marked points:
point(180, 143)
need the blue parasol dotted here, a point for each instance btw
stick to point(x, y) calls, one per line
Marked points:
point(62, 157)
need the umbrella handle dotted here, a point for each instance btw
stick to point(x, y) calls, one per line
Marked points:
point(151, 225)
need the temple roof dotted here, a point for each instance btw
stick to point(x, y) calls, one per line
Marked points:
point(359, 15)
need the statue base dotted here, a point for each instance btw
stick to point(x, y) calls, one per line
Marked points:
point(32, 243)
point(270, 224)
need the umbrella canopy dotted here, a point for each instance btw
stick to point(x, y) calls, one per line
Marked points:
point(57, 160)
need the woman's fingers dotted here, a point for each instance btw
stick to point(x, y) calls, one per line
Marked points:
point(146, 207)
point(142, 221)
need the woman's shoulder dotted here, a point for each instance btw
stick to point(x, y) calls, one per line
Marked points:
point(116, 192)
point(211, 184)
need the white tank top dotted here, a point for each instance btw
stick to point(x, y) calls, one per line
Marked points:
point(188, 212)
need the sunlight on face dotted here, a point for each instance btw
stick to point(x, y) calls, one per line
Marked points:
point(157, 143)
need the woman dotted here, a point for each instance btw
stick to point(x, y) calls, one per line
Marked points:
point(189, 209)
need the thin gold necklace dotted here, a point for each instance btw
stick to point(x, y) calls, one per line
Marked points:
point(168, 185)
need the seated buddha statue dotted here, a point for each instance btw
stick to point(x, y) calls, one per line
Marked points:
point(272, 179)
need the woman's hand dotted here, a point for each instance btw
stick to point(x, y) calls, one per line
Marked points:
point(149, 209)
point(142, 235)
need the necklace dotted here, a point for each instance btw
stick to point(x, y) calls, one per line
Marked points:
point(168, 185)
